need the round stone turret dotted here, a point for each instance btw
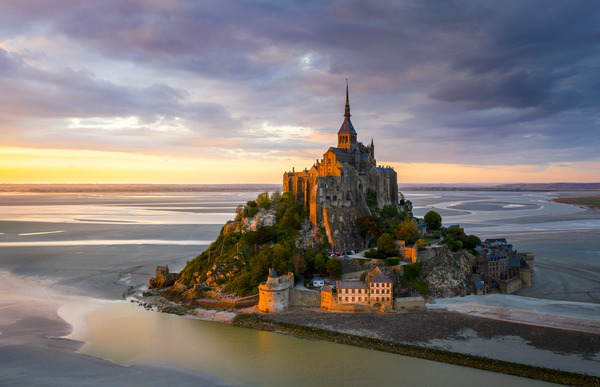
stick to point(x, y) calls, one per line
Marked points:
point(274, 294)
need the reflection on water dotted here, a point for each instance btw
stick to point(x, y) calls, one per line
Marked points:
point(125, 333)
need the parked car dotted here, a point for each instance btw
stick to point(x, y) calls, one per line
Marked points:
point(318, 283)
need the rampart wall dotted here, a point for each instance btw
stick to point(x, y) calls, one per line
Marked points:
point(305, 298)
point(409, 303)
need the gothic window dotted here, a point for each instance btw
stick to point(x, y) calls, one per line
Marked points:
point(334, 197)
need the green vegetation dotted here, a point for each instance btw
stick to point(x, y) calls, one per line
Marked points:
point(375, 254)
point(244, 259)
point(387, 244)
point(385, 220)
point(456, 239)
point(433, 221)
point(412, 277)
point(334, 268)
point(592, 201)
point(371, 198)
point(407, 231)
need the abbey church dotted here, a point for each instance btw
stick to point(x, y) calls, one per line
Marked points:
point(335, 188)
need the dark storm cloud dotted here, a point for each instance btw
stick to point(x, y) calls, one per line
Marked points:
point(466, 73)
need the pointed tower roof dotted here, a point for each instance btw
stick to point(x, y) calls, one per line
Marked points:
point(347, 126)
point(272, 273)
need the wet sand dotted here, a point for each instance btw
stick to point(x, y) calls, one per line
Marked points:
point(35, 352)
point(549, 347)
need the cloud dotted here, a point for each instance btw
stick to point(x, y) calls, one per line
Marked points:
point(439, 81)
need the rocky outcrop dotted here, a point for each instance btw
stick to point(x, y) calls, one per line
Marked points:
point(341, 225)
point(308, 236)
point(447, 273)
point(263, 218)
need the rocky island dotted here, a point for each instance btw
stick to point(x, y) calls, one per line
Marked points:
point(341, 238)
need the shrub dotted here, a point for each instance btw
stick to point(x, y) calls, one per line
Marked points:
point(393, 261)
point(334, 267)
point(411, 272)
point(433, 220)
point(386, 244)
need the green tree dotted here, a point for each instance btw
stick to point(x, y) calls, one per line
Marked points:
point(299, 263)
point(276, 196)
point(319, 263)
point(408, 232)
point(387, 244)
point(369, 227)
point(263, 200)
point(433, 220)
point(371, 198)
point(334, 267)
point(471, 241)
point(389, 212)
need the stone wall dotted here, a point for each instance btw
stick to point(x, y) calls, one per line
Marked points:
point(231, 304)
point(409, 303)
point(334, 306)
point(525, 275)
point(305, 298)
point(511, 285)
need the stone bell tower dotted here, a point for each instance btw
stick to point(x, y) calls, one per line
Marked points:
point(347, 134)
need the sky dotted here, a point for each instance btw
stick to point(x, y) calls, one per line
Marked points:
point(192, 92)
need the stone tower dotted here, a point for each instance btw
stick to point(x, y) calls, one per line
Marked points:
point(274, 294)
point(347, 134)
point(335, 188)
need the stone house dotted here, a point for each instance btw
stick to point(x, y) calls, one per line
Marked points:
point(377, 289)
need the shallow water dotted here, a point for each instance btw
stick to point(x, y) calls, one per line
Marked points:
point(79, 248)
point(254, 358)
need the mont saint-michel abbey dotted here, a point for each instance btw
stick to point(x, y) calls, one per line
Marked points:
point(335, 188)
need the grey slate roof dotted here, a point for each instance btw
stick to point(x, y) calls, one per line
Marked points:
point(351, 285)
point(273, 273)
point(380, 277)
point(347, 127)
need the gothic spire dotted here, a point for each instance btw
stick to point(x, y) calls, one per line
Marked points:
point(347, 126)
point(347, 111)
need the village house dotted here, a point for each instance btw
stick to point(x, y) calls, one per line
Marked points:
point(500, 268)
point(376, 290)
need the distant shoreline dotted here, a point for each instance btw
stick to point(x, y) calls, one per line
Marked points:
point(89, 188)
point(584, 201)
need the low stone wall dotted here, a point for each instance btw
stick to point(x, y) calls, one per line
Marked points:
point(353, 308)
point(409, 303)
point(245, 302)
point(305, 298)
point(511, 285)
